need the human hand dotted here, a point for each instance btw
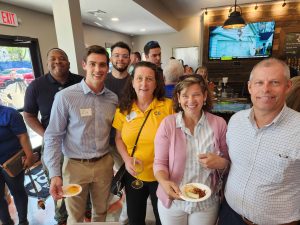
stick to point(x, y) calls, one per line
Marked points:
point(129, 164)
point(56, 188)
point(28, 160)
point(171, 189)
point(212, 161)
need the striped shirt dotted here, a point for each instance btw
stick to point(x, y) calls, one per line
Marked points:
point(79, 125)
point(264, 179)
point(201, 142)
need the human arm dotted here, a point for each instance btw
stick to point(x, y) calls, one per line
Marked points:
point(213, 161)
point(161, 161)
point(122, 149)
point(55, 134)
point(34, 123)
point(56, 187)
point(26, 146)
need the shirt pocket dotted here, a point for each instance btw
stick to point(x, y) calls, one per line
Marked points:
point(274, 167)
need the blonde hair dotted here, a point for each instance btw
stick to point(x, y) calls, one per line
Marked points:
point(292, 98)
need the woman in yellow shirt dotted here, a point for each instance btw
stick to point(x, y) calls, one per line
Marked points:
point(143, 95)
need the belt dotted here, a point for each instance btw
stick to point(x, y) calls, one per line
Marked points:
point(95, 159)
point(248, 222)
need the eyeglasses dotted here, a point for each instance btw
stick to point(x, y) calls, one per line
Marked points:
point(123, 56)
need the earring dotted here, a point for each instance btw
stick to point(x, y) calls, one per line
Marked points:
point(204, 103)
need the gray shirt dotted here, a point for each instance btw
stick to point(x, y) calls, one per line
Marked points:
point(79, 125)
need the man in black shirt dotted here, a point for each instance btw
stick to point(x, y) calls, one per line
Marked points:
point(39, 98)
point(115, 81)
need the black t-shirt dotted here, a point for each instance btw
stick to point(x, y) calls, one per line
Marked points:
point(115, 85)
point(40, 94)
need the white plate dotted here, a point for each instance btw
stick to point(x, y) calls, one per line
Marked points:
point(198, 185)
point(67, 190)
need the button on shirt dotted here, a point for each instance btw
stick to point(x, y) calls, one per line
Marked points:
point(79, 125)
point(264, 182)
point(201, 142)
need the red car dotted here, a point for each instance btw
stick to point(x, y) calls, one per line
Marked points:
point(25, 74)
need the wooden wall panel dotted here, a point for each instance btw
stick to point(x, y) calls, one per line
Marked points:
point(238, 71)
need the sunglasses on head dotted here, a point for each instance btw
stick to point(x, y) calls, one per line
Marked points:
point(150, 43)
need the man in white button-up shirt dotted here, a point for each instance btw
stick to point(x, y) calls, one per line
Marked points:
point(263, 185)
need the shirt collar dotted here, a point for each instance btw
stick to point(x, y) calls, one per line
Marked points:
point(180, 121)
point(86, 89)
point(153, 105)
point(275, 121)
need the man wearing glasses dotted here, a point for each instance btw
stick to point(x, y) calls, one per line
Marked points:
point(115, 81)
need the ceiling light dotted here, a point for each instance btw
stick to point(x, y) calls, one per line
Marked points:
point(235, 19)
point(284, 4)
point(256, 7)
point(206, 11)
point(115, 19)
point(143, 29)
point(99, 18)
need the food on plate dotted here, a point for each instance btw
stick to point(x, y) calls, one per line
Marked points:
point(73, 189)
point(192, 191)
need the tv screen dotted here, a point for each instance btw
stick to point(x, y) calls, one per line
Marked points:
point(255, 40)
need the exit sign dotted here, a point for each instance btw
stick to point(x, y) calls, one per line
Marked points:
point(8, 18)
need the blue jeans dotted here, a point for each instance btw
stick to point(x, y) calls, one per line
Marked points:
point(17, 190)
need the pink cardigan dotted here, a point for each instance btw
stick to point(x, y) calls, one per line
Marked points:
point(170, 150)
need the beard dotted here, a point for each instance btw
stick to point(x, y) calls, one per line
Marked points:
point(121, 70)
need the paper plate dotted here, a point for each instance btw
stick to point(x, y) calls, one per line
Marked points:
point(71, 190)
point(198, 185)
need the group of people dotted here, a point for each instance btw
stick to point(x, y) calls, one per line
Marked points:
point(90, 124)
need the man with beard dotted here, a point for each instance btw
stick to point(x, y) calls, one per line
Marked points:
point(115, 81)
point(39, 98)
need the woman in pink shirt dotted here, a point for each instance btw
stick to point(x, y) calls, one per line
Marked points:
point(190, 147)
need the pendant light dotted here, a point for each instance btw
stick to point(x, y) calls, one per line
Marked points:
point(235, 19)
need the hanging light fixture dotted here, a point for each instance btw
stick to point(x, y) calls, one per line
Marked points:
point(256, 7)
point(284, 4)
point(235, 19)
point(206, 11)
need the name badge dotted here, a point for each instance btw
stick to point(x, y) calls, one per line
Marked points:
point(131, 116)
point(85, 112)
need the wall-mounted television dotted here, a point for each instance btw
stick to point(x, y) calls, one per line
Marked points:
point(255, 40)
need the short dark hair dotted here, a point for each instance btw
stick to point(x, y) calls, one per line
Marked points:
point(57, 49)
point(150, 45)
point(129, 96)
point(120, 44)
point(138, 55)
point(97, 49)
point(187, 81)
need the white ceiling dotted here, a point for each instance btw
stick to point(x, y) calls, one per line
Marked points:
point(133, 17)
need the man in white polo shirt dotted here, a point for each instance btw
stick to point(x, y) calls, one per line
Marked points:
point(263, 185)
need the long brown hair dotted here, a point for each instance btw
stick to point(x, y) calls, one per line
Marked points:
point(129, 96)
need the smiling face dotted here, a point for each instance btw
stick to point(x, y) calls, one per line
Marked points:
point(120, 59)
point(268, 88)
point(191, 100)
point(96, 69)
point(58, 63)
point(144, 83)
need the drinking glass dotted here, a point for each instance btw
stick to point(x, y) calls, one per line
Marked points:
point(138, 168)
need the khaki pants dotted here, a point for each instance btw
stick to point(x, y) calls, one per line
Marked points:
point(95, 180)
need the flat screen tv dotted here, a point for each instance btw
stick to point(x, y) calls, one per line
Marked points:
point(255, 40)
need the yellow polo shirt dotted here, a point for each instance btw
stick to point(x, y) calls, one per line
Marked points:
point(129, 126)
